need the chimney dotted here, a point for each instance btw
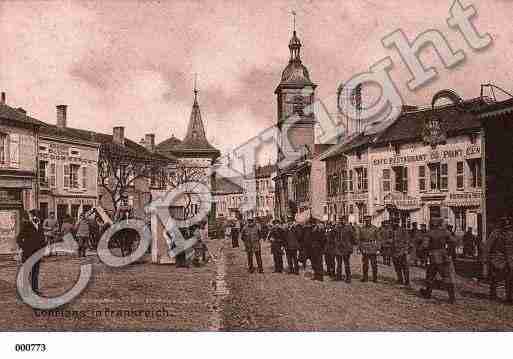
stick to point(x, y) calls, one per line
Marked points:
point(118, 135)
point(3, 98)
point(61, 115)
point(149, 142)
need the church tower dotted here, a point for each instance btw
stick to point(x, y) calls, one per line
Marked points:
point(295, 94)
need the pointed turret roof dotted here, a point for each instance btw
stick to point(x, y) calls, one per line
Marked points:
point(195, 143)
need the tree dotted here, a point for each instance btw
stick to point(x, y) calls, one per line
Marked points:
point(120, 167)
point(183, 172)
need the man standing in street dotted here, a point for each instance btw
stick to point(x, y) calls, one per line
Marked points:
point(318, 243)
point(469, 243)
point(330, 250)
point(498, 254)
point(30, 240)
point(235, 233)
point(292, 246)
point(275, 236)
point(385, 233)
point(251, 239)
point(400, 249)
point(437, 240)
point(307, 233)
point(82, 230)
point(344, 248)
point(369, 246)
point(50, 228)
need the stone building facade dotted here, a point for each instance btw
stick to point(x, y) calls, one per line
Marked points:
point(18, 170)
point(228, 198)
point(398, 174)
point(259, 190)
point(68, 169)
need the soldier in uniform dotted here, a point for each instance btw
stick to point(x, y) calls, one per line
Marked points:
point(369, 246)
point(345, 240)
point(436, 242)
point(385, 233)
point(330, 251)
point(275, 236)
point(292, 246)
point(251, 238)
point(400, 250)
point(318, 243)
point(498, 254)
point(306, 244)
point(420, 250)
point(414, 233)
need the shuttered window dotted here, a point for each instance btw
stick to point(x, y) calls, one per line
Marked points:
point(84, 177)
point(14, 150)
point(52, 174)
point(66, 176)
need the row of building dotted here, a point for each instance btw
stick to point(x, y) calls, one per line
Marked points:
point(427, 163)
point(57, 168)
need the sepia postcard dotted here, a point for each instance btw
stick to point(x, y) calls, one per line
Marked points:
point(341, 166)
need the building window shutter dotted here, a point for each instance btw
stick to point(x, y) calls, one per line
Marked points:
point(14, 150)
point(52, 175)
point(66, 176)
point(84, 177)
point(405, 179)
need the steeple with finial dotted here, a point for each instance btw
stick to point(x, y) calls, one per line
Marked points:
point(195, 142)
point(294, 43)
point(295, 73)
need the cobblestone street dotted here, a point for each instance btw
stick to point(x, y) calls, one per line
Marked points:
point(223, 296)
point(274, 301)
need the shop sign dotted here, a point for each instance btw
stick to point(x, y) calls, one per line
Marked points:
point(473, 151)
point(10, 196)
point(402, 201)
point(61, 157)
point(435, 155)
point(465, 199)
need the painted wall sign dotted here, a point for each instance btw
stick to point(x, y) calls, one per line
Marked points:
point(435, 155)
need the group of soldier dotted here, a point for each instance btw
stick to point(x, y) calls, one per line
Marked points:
point(329, 248)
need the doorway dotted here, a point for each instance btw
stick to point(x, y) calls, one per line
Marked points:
point(43, 210)
point(435, 212)
point(62, 211)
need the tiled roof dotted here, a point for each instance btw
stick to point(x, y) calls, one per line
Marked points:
point(17, 115)
point(496, 108)
point(132, 148)
point(165, 148)
point(227, 186)
point(47, 129)
point(168, 144)
point(409, 125)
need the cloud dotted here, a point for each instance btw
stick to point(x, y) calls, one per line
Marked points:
point(132, 62)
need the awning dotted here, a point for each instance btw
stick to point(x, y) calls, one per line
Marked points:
point(464, 199)
point(401, 201)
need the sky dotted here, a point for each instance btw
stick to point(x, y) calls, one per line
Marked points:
point(132, 63)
